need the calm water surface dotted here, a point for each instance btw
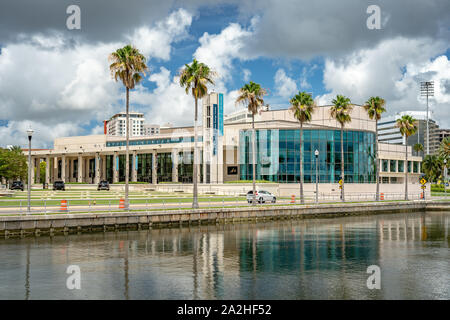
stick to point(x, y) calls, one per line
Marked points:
point(310, 259)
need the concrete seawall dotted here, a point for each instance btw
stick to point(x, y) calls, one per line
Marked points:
point(69, 223)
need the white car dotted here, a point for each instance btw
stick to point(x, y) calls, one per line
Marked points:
point(261, 196)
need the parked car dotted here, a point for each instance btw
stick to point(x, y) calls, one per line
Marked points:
point(103, 185)
point(16, 185)
point(59, 185)
point(261, 196)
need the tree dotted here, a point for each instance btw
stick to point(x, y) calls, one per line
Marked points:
point(341, 112)
point(375, 108)
point(13, 164)
point(407, 126)
point(444, 149)
point(432, 166)
point(127, 65)
point(251, 95)
point(303, 106)
point(418, 147)
point(195, 79)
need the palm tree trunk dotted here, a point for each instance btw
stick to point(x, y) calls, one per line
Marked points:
point(127, 160)
point(406, 168)
point(254, 159)
point(302, 200)
point(377, 174)
point(342, 163)
point(195, 167)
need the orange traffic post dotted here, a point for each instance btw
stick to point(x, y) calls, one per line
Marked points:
point(63, 205)
point(122, 204)
point(293, 198)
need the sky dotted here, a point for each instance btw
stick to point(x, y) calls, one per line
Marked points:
point(57, 80)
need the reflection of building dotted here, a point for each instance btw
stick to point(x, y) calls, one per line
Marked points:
point(225, 151)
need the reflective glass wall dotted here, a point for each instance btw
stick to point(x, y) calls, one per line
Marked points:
point(278, 155)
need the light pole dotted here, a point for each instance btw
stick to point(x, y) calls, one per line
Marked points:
point(427, 90)
point(30, 134)
point(316, 153)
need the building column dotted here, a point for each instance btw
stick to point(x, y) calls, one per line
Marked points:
point(97, 168)
point(37, 178)
point(47, 170)
point(154, 168)
point(55, 169)
point(80, 168)
point(103, 161)
point(63, 168)
point(174, 165)
point(134, 167)
point(115, 167)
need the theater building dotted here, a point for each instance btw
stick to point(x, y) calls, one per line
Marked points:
point(225, 152)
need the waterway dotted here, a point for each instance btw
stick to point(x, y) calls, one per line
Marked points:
point(298, 259)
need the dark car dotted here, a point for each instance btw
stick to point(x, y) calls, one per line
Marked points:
point(16, 185)
point(59, 185)
point(103, 185)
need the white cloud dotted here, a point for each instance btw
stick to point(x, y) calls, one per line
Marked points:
point(285, 86)
point(392, 70)
point(156, 41)
point(219, 50)
point(56, 84)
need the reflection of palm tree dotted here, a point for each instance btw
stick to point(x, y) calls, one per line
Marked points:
point(27, 275)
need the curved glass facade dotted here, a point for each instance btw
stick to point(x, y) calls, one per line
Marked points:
point(278, 155)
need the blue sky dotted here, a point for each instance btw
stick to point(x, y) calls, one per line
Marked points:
point(57, 80)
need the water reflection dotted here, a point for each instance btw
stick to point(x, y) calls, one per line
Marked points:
point(312, 259)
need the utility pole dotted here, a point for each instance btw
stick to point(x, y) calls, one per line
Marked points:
point(427, 90)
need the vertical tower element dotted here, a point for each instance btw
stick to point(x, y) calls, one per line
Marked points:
point(427, 90)
point(212, 122)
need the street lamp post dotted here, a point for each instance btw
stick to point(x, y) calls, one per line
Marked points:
point(427, 90)
point(316, 153)
point(30, 134)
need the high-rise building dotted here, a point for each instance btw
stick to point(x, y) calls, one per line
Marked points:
point(388, 132)
point(117, 126)
point(151, 129)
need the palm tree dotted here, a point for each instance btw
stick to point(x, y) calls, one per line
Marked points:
point(195, 78)
point(407, 126)
point(444, 149)
point(340, 110)
point(251, 95)
point(417, 148)
point(127, 65)
point(375, 107)
point(432, 167)
point(302, 105)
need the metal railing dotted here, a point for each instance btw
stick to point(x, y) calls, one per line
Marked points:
point(88, 205)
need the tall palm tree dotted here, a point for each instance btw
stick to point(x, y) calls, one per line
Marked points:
point(340, 110)
point(251, 95)
point(407, 126)
point(432, 166)
point(375, 108)
point(417, 148)
point(302, 105)
point(444, 149)
point(195, 79)
point(128, 65)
